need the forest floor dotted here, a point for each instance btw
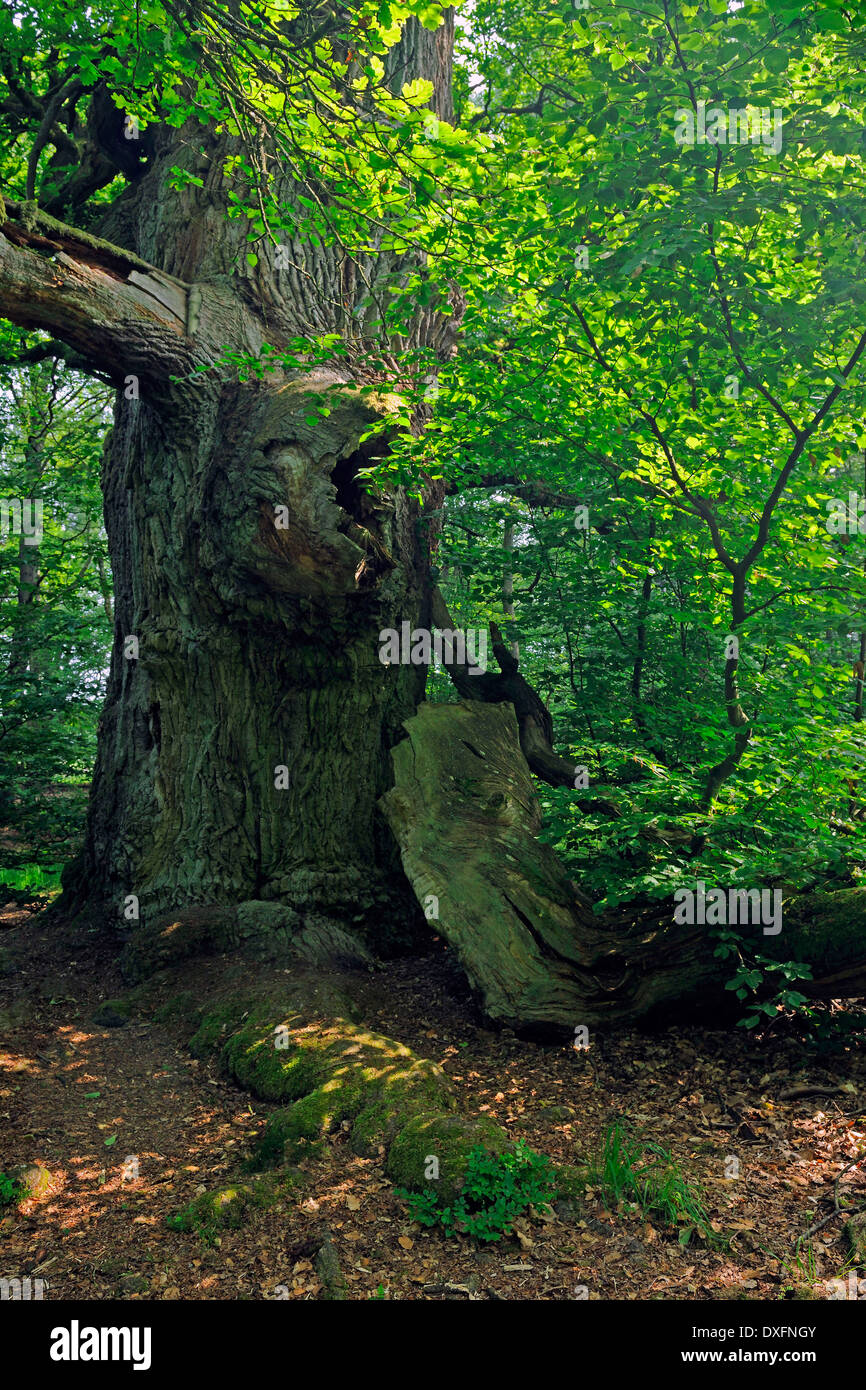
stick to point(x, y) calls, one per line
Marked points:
point(80, 1099)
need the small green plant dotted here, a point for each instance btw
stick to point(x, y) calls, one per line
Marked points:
point(836, 1029)
point(496, 1189)
point(10, 1190)
point(752, 977)
point(800, 1269)
point(644, 1175)
point(210, 1213)
point(33, 876)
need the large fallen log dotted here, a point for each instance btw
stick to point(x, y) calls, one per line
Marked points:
point(464, 811)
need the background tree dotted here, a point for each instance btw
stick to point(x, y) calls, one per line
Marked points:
point(55, 611)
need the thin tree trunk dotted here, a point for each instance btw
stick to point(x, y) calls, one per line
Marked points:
point(641, 644)
point(737, 717)
point(508, 585)
point(861, 662)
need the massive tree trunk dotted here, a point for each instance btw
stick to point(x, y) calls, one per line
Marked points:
point(243, 748)
point(245, 738)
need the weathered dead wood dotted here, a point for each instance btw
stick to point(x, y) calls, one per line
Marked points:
point(463, 810)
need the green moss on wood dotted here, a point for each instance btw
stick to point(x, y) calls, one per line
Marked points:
point(226, 1207)
point(296, 1131)
point(216, 1026)
point(113, 1013)
point(326, 1073)
point(259, 1061)
point(415, 1091)
point(180, 1008)
point(31, 1180)
point(825, 929)
point(332, 1072)
point(447, 1138)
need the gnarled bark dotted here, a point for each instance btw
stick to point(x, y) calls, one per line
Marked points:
point(244, 742)
point(464, 811)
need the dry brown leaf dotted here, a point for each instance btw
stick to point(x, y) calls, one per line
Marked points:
point(526, 1241)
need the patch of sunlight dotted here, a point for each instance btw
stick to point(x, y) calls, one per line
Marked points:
point(15, 1062)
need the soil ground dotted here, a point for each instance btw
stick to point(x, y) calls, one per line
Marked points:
point(82, 1099)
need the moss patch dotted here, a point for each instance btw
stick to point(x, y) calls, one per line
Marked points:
point(180, 1008)
point(415, 1091)
point(113, 1013)
point(215, 1027)
point(267, 1061)
point(323, 1073)
point(32, 1180)
point(447, 1138)
point(326, 1072)
point(295, 1132)
point(226, 1208)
